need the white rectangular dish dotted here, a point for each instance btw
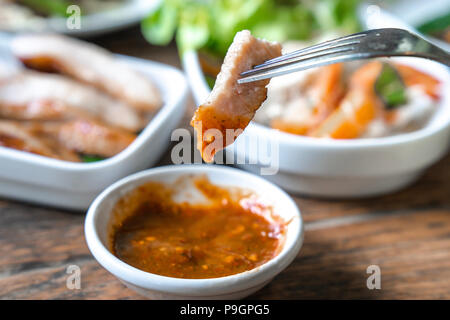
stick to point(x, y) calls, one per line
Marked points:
point(37, 179)
point(125, 14)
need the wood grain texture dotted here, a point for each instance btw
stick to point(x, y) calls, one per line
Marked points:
point(37, 245)
point(432, 190)
point(406, 233)
point(412, 251)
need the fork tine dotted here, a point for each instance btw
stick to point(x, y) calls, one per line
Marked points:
point(298, 59)
point(388, 42)
point(350, 39)
point(326, 59)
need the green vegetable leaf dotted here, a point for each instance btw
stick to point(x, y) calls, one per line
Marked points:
point(286, 24)
point(336, 14)
point(91, 158)
point(159, 27)
point(436, 25)
point(48, 7)
point(211, 25)
point(390, 87)
point(193, 28)
point(211, 81)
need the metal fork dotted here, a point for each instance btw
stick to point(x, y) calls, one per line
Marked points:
point(386, 42)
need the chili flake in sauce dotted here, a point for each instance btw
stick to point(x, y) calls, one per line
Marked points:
point(227, 235)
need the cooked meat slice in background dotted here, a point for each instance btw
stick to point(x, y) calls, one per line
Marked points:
point(17, 135)
point(90, 137)
point(30, 95)
point(90, 64)
point(64, 139)
point(13, 135)
point(232, 105)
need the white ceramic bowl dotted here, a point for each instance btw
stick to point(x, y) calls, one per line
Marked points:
point(341, 168)
point(161, 287)
point(404, 14)
point(30, 177)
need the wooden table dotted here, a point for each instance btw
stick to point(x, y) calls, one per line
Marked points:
point(406, 234)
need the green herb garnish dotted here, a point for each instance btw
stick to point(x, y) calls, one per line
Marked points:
point(91, 158)
point(159, 27)
point(210, 80)
point(390, 87)
point(436, 25)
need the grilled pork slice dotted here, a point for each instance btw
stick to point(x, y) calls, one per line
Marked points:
point(30, 95)
point(232, 105)
point(19, 136)
point(89, 64)
point(91, 137)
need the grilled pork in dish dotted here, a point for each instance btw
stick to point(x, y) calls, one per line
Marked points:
point(90, 64)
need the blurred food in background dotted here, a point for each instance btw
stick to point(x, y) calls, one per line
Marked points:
point(81, 104)
point(438, 27)
point(351, 100)
point(211, 25)
point(31, 14)
point(87, 63)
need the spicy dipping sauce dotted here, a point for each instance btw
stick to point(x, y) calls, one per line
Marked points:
point(229, 233)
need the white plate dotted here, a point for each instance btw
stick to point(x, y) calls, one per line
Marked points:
point(341, 168)
point(34, 178)
point(160, 287)
point(130, 13)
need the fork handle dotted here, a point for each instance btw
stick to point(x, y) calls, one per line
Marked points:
point(438, 54)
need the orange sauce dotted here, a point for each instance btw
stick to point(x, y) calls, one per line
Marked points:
point(229, 233)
